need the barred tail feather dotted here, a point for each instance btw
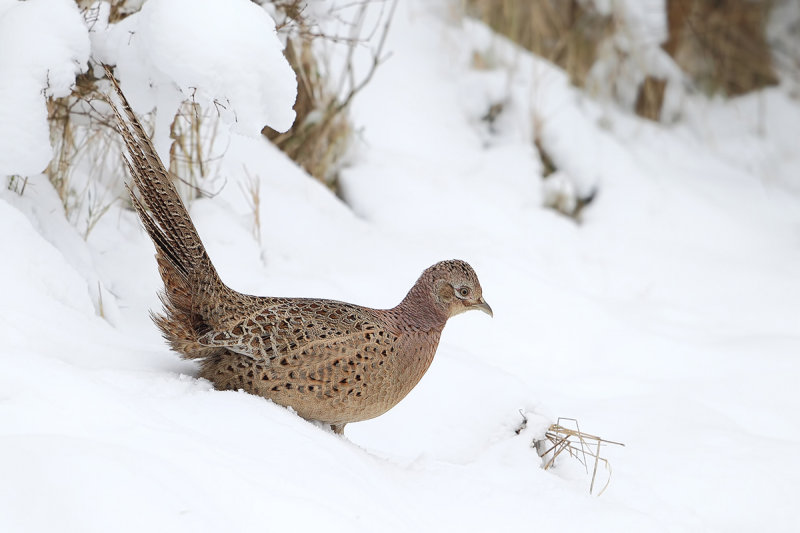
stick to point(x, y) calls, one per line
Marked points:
point(184, 265)
point(161, 209)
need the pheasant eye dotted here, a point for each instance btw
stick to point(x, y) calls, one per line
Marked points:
point(464, 291)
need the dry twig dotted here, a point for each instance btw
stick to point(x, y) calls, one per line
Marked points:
point(579, 445)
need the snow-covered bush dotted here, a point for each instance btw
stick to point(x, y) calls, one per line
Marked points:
point(43, 45)
point(167, 53)
point(184, 74)
point(783, 28)
point(568, 33)
point(322, 133)
point(645, 54)
point(721, 44)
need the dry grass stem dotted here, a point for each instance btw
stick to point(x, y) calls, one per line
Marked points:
point(17, 184)
point(252, 192)
point(322, 130)
point(566, 32)
point(192, 150)
point(82, 139)
point(578, 445)
point(721, 44)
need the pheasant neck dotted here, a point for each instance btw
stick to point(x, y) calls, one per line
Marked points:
point(419, 310)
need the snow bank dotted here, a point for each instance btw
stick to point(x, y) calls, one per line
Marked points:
point(224, 54)
point(43, 45)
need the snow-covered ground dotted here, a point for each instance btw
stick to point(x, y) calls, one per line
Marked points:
point(668, 320)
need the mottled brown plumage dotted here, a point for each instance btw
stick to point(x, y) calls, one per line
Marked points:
point(330, 361)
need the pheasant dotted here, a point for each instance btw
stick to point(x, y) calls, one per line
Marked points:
point(330, 361)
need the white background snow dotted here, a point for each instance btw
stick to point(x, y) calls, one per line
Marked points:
point(668, 320)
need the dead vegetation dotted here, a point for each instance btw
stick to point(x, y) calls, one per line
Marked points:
point(720, 45)
point(579, 446)
point(85, 167)
point(322, 131)
point(192, 154)
point(566, 32)
point(82, 144)
point(318, 140)
point(118, 9)
point(252, 193)
point(84, 141)
point(17, 184)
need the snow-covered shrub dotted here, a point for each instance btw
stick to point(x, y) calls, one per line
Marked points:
point(186, 78)
point(322, 132)
point(721, 44)
point(43, 45)
point(566, 32)
point(632, 69)
point(645, 54)
point(611, 48)
point(85, 166)
point(173, 57)
point(782, 31)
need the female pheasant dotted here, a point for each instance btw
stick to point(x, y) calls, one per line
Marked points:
point(330, 361)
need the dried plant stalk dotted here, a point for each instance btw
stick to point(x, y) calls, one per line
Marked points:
point(566, 32)
point(252, 192)
point(579, 445)
point(322, 131)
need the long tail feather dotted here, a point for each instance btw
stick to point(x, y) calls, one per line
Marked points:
point(191, 284)
point(161, 209)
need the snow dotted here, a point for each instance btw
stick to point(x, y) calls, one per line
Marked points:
point(223, 54)
point(43, 44)
point(667, 320)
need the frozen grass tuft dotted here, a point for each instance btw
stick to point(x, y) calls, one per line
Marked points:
point(580, 446)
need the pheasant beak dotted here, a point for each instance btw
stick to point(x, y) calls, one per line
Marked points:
point(483, 306)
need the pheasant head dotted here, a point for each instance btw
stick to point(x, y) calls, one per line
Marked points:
point(456, 288)
point(445, 289)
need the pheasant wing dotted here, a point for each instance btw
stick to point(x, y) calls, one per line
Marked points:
point(299, 330)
